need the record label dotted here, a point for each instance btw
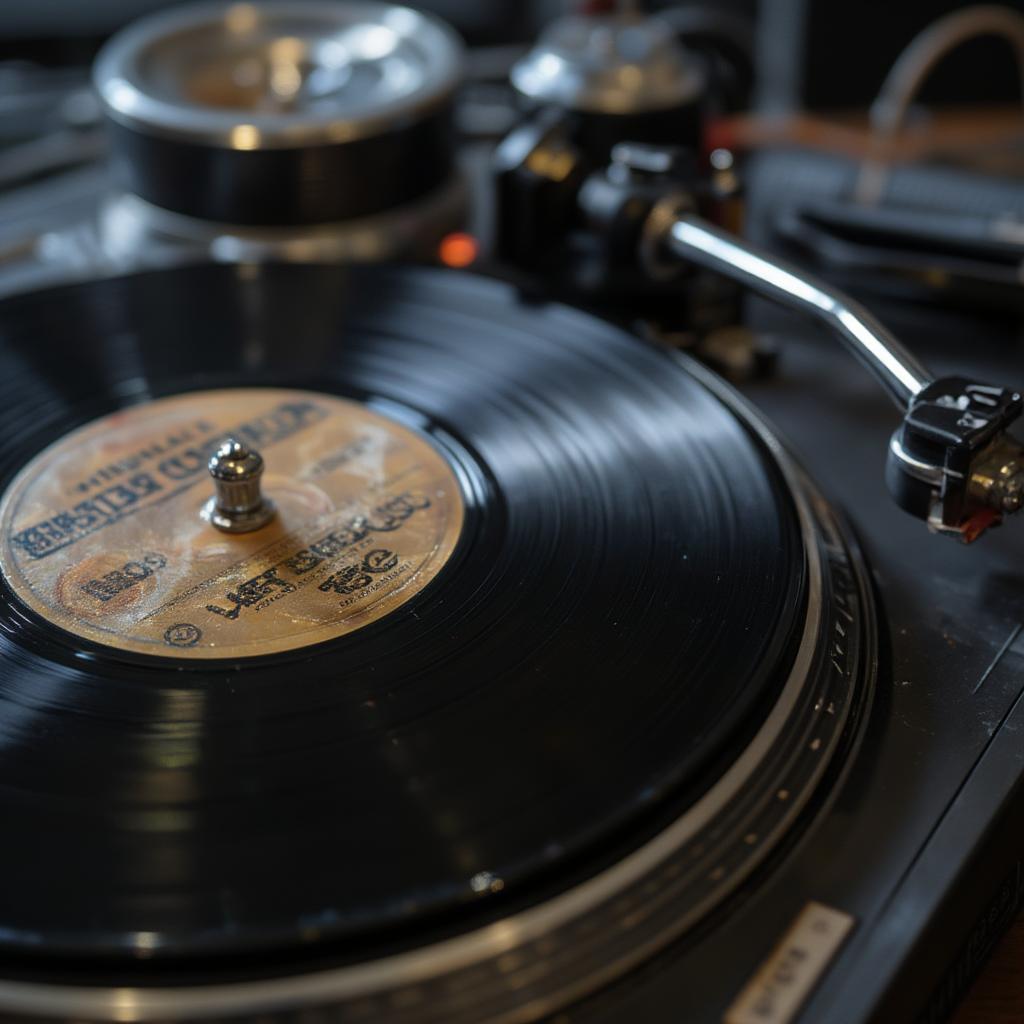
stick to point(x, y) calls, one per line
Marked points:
point(102, 534)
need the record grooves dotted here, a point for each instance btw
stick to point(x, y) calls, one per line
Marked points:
point(621, 680)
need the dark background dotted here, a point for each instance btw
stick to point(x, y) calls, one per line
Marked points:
point(822, 54)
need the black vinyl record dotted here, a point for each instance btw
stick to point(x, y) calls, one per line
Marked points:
point(621, 605)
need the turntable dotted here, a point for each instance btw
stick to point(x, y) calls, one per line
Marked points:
point(386, 643)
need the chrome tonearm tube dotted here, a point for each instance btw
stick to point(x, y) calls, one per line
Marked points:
point(950, 461)
point(897, 370)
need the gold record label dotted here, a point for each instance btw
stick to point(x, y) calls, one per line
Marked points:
point(102, 535)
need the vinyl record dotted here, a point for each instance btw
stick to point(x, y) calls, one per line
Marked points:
point(599, 620)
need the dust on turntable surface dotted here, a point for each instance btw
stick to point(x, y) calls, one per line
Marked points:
point(622, 643)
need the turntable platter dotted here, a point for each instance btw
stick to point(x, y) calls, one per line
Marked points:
point(633, 593)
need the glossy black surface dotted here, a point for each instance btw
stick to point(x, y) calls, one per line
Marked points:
point(315, 184)
point(618, 611)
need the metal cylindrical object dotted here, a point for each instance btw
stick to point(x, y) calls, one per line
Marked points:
point(276, 113)
point(621, 76)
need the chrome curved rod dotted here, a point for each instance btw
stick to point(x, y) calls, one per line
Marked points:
point(698, 241)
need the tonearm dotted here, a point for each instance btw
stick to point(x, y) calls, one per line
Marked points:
point(951, 461)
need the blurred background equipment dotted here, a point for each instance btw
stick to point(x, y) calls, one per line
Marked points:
point(345, 110)
point(293, 130)
point(920, 198)
point(769, 101)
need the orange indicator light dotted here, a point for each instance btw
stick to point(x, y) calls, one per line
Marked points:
point(457, 249)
